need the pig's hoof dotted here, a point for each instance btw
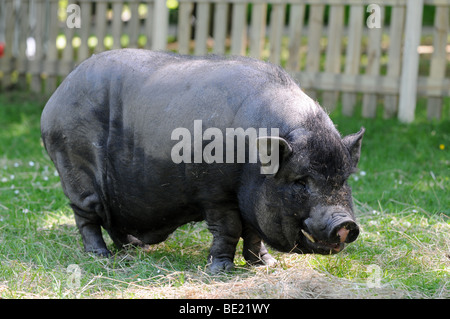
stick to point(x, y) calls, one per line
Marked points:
point(218, 266)
point(264, 260)
point(268, 260)
point(100, 252)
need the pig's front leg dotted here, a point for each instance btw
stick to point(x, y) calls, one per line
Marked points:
point(254, 251)
point(226, 228)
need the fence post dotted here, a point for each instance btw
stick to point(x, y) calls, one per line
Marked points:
point(353, 55)
point(314, 35)
point(296, 17)
point(83, 51)
point(100, 26)
point(258, 29)
point(116, 24)
point(51, 56)
point(333, 53)
point(438, 61)
point(239, 29)
point(220, 27)
point(184, 27)
point(37, 32)
point(134, 24)
point(410, 65)
point(276, 32)
point(369, 108)
point(202, 28)
point(394, 53)
point(6, 62)
point(160, 25)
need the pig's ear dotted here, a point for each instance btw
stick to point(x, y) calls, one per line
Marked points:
point(272, 150)
point(353, 144)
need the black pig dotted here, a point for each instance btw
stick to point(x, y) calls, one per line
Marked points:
point(109, 130)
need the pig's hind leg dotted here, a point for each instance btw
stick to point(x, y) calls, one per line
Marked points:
point(80, 186)
point(90, 231)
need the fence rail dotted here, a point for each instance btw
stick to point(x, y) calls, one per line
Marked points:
point(326, 45)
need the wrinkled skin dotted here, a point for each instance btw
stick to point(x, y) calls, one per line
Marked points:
point(108, 130)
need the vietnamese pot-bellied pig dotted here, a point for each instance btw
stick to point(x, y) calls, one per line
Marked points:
point(109, 129)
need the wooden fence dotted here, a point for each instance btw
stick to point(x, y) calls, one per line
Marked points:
point(332, 47)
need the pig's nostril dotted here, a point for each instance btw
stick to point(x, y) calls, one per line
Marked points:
point(347, 232)
point(342, 234)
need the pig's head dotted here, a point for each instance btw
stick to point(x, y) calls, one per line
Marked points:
point(305, 204)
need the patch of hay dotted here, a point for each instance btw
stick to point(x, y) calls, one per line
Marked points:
point(293, 282)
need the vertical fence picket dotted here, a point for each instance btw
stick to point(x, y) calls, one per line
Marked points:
point(202, 28)
point(116, 24)
point(51, 62)
point(353, 55)
point(410, 62)
point(394, 53)
point(373, 67)
point(258, 29)
point(439, 58)
point(67, 61)
point(134, 24)
point(296, 16)
point(3, 33)
point(239, 29)
point(184, 27)
point(22, 62)
point(83, 51)
point(276, 32)
point(333, 53)
point(160, 25)
point(6, 61)
point(36, 62)
point(220, 27)
point(148, 25)
point(100, 25)
point(314, 37)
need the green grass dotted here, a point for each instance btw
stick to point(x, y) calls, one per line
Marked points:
point(401, 196)
point(404, 164)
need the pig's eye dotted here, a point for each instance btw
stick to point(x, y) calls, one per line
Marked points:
point(302, 182)
point(300, 188)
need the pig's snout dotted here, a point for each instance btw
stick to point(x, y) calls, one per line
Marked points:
point(329, 230)
point(345, 232)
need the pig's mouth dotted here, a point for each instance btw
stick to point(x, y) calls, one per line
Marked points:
point(337, 238)
point(320, 246)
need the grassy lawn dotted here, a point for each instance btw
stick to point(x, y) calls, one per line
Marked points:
point(401, 195)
